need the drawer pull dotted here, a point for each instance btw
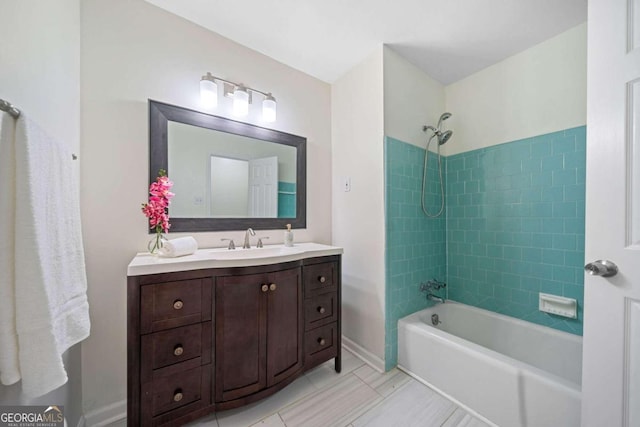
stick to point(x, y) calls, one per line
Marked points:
point(321, 310)
point(177, 396)
point(272, 286)
point(178, 351)
point(322, 279)
point(321, 341)
point(177, 304)
point(265, 288)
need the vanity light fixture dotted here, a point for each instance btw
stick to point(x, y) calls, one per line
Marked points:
point(241, 94)
point(209, 91)
point(240, 101)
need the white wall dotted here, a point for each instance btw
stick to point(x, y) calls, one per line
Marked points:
point(132, 51)
point(538, 91)
point(40, 74)
point(412, 99)
point(358, 216)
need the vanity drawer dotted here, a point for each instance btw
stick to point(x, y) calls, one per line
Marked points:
point(176, 345)
point(172, 304)
point(320, 345)
point(173, 388)
point(320, 278)
point(320, 310)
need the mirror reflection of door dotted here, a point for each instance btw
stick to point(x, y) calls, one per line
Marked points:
point(263, 188)
point(190, 153)
point(241, 188)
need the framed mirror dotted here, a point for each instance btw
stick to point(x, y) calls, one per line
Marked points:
point(227, 175)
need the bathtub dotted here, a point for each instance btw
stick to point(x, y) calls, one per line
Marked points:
point(508, 371)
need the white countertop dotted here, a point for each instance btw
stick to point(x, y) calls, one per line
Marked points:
point(145, 263)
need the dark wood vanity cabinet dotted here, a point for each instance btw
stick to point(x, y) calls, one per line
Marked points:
point(259, 331)
point(207, 340)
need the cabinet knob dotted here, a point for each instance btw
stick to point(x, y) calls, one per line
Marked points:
point(178, 350)
point(272, 286)
point(177, 304)
point(321, 341)
point(321, 310)
point(265, 288)
point(177, 396)
point(322, 279)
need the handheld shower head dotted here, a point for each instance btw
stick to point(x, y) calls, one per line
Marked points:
point(443, 117)
point(443, 137)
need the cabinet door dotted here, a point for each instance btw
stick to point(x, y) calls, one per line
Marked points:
point(240, 336)
point(284, 325)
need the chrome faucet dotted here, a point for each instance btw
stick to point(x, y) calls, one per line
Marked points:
point(430, 286)
point(247, 243)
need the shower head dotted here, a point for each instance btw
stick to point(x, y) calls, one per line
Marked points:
point(443, 117)
point(443, 137)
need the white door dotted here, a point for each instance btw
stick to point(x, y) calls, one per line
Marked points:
point(611, 362)
point(263, 188)
point(229, 187)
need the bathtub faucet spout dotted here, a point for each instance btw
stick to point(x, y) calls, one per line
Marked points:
point(432, 297)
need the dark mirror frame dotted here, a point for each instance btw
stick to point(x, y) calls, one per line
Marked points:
point(159, 116)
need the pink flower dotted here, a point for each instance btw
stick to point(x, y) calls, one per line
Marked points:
point(159, 200)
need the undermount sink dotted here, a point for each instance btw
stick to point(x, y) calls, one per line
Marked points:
point(253, 253)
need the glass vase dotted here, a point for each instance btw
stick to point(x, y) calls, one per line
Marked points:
point(156, 243)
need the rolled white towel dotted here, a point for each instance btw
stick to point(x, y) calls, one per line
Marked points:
point(179, 247)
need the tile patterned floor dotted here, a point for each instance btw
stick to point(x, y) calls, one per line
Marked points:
point(359, 396)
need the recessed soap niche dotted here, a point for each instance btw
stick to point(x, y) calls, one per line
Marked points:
point(560, 306)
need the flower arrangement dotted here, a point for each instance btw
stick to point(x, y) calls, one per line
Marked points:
point(157, 208)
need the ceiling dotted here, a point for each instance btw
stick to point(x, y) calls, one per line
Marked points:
point(448, 39)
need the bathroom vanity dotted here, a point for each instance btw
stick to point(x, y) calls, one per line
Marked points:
point(221, 328)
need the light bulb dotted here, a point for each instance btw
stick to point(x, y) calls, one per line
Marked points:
point(269, 109)
point(208, 91)
point(240, 101)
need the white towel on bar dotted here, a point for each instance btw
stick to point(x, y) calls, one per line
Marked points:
point(9, 368)
point(51, 308)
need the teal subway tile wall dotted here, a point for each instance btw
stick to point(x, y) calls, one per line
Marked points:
point(515, 225)
point(286, 199)
point(415, 244)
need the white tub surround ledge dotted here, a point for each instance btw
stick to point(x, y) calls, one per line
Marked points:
point(145, 263)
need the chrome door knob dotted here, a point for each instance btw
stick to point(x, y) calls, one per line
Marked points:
point(602, 268)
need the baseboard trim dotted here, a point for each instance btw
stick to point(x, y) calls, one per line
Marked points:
point(362, 353)
point(105, 416)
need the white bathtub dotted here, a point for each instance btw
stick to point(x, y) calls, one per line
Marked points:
point(511, 372)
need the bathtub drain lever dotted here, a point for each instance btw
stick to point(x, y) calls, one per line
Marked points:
point(435, 320)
